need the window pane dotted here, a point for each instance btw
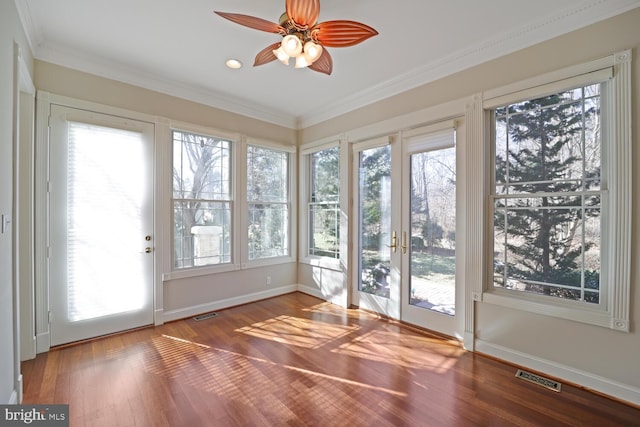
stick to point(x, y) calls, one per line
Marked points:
point(433, 230)
point(324, 226)
point(268, 207)
point(202, 233)
point(374, 209)
point(324, 196)
point(201, 167)
point(267, 175)
point(268, 230)
point(547, 164)
point(325, 175)
point(202, 208)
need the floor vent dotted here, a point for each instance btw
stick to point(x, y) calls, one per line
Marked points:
point(205, 316)
point(537, 379)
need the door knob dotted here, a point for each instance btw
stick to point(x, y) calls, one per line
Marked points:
point(394, 242)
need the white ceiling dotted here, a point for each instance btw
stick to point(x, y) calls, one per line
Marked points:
point(180, 47)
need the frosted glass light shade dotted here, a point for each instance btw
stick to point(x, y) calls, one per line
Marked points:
point(301, 61)
point(281, 55)
point(291, 45)
point(312, 51)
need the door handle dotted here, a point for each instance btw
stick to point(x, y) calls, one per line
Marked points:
point(148, 250)
point(404, 242)
point(394, 242)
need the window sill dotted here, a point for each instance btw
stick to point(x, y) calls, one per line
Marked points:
point(214, 269)
point(266, 262)
point(199, 271)
point(322, 262)
point(569, 310)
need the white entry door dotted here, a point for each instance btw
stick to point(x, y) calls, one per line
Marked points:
point(101, 224)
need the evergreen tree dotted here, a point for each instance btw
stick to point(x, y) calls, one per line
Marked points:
point(544, 155)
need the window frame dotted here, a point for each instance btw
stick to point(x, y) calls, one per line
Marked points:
point(172, 273)
point(233, 138)
point(305, 198)
point(616, 177)
point(291, 203)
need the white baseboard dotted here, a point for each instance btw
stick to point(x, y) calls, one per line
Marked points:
point(43, 343)
point(19, 390)
point(13, 399)
point(314, 292)
point(182, 313)
point(585, 379)
point(468, 341)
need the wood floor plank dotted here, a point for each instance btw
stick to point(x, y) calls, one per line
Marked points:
point(295, 360)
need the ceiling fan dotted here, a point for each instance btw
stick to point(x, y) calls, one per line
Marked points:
point(303, 37)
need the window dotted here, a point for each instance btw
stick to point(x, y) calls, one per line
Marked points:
point(560, 193)
point(324, 203)
point(202, 202)
point(548, 195)
point(268, 202)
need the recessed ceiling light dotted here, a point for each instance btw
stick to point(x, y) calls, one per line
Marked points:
point(234, 64)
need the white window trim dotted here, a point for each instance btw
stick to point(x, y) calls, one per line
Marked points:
point(183, 273)
point(244, 204)
point(616, 99)
point(303, 161)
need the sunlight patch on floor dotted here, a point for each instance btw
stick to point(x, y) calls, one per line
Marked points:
point(298, 331)
point(242, 377)
point(409, 351)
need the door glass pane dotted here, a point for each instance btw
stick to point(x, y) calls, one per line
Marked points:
point(375, 220)
point(105, 196)
point(433, 230)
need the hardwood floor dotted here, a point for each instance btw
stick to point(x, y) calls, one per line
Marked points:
point(297, 361)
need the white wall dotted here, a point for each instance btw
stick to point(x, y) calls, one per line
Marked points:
point(180, 297)
point(10, 31)
point(593, 356)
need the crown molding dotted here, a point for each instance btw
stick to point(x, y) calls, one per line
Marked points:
point(31, 29)
point(115, 71)
point(554, 25)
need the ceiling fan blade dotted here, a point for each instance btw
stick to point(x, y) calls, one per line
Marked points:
point(324, 64)
point(342, 33)
point(303, 12)
point(252, 22)
point(266, 55)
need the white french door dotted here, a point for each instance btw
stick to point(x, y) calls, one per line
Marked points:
point(431, 271)
point(405, 209)
point(377, 211)
point(101, 224)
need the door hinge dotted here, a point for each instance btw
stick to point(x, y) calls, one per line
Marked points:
point(50, 317)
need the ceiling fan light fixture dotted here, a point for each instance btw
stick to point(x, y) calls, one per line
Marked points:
point(312, 51)
point(281, 55)
point(291, 45)
point(303, 37)
point(301, 62)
